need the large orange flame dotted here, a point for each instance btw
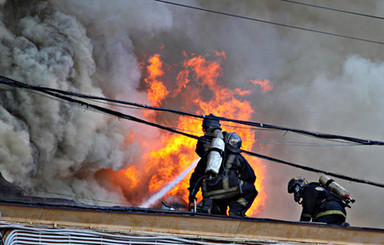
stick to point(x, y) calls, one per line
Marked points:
point(157, 90)
point(197, 90)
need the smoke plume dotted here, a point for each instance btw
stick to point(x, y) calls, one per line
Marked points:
point(321, 83)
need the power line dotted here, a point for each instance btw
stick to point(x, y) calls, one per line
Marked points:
point(279, 142)
point(135, 119)
point(310, 169)
point(271, 22)
point(14, 83)
point(261, 141)
point(333, 9)
point(305, 132)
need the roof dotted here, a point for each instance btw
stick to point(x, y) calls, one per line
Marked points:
point(184, 224)
point(52, 215)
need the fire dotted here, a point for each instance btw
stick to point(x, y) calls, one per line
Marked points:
point(130, 174)
point(197, 90)
point(265, 85)
point(157, 90)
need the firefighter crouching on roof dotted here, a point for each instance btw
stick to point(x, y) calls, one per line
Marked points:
point(319, 203)
point(233, 186)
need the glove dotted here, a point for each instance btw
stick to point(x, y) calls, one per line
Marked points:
point(191, 206)
point(192, 198)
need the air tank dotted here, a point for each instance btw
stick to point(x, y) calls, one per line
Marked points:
point(334, 187)
point(215, 158)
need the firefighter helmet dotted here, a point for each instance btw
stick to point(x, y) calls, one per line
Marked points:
point(211, 122)
point(233, 142)
point(174, 203)
point(297, 181)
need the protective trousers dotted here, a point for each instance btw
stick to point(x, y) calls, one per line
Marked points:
point(238, 205)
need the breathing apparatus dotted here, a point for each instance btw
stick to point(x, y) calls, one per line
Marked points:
point(211, 126)
point(336, 188)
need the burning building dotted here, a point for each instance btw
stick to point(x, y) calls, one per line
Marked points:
point(148, 52)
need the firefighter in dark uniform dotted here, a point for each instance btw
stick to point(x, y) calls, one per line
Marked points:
point(210, 123)
point(319, 203)
point(240, 193)
point(234, 186)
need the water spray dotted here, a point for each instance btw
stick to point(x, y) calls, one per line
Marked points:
point(168, 187)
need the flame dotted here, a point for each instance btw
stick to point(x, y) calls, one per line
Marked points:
point(265, 85)
point(197, 90)
point(130, 173)
point(157, 90)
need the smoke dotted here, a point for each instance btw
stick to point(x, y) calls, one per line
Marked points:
point(49, 147)
point(321, 83)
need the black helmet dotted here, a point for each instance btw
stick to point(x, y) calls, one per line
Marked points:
point(297, 181)
point(233, 142)
point(211, 122)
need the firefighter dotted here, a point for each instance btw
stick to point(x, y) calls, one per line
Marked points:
point(318, 202)
point(236, 191)
point(210, 123)
point(233, 187)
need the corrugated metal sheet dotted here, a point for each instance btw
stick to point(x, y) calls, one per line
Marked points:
point(24, 235)
point(183, 224)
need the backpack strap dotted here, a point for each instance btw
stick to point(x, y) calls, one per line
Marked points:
point(229, 162)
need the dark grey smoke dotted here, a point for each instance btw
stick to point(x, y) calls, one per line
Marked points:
point(49, 147)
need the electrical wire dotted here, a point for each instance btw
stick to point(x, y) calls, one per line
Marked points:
point(10, 82)
point(135, 119)
point(271, 22)
point(333, 9)
point(310, 169)
point(305, 132)
point(290, 143)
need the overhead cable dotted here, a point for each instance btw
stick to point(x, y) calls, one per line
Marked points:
point(333, 9)
point(10, 82)
point(294, 143)
point(305, 132)
point(310, 169)
point(271, 22)
point(135, 119)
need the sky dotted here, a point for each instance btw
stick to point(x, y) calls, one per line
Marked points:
point(322, 83)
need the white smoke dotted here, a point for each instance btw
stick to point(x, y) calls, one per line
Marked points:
point(322, 83)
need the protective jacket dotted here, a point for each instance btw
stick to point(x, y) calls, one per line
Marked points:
point(202, 146)
point(234, 162)
point(234, 185)
point(321, 205)
point(233, 173)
